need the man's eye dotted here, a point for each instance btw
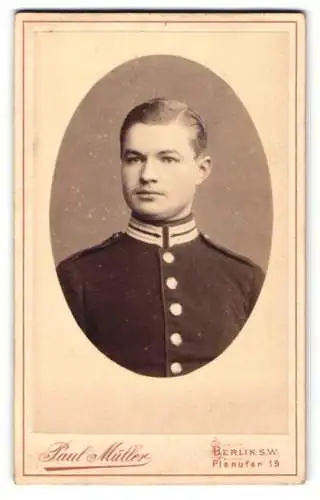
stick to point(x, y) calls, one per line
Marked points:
point(169, 159)
point(133, 159)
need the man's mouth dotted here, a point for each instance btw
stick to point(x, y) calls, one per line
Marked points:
point(147, 192)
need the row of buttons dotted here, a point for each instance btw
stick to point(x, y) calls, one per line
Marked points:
point(176, 310)
point(171, 282)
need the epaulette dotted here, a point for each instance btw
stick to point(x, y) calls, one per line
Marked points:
point(87, 251)
point(229, 253)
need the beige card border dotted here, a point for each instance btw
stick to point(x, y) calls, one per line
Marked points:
point(24, 19)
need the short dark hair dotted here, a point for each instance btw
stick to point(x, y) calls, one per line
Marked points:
point(161, 110)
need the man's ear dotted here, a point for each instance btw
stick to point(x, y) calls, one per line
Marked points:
point(204, 166)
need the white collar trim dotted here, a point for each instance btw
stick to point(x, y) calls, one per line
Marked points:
point(166, 235)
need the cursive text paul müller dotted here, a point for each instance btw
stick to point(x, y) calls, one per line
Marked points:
point(63, 455)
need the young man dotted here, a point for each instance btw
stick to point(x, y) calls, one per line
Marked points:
point(161, 299)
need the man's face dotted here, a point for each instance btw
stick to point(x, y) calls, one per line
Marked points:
point(159, 170)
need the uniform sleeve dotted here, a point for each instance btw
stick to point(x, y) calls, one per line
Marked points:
point(71, 284)
point(257, 282)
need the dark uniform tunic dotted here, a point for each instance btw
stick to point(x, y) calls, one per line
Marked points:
point(160, 300)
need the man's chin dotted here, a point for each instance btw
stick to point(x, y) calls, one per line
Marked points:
point(158, 216)
point(157, 212)
point(149, 216)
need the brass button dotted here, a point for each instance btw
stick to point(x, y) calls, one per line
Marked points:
point(176, 368)
point(168, 257)
point(176, 339)
point(175, 309)
point(171, 283)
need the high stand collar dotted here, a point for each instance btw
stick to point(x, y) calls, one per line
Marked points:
point(163, 234)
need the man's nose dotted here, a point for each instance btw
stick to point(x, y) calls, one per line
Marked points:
point(148, 171)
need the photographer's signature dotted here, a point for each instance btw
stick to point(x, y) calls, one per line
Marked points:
point(63, 456)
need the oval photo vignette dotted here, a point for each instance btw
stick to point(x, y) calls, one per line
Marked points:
point(233, 206)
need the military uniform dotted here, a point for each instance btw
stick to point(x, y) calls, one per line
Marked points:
point(161, 300)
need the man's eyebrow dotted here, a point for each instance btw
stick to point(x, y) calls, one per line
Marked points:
point(132, 152)
point(169, 152)
point(128, 152)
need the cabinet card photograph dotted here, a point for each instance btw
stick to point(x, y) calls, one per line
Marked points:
point(159, 248)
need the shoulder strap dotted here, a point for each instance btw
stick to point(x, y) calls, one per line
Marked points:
point(115, 238)
point(226, 251)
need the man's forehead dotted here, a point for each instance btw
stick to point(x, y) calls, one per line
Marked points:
point(167, 136)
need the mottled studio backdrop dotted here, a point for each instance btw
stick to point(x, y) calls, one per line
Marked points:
point(234, 206)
